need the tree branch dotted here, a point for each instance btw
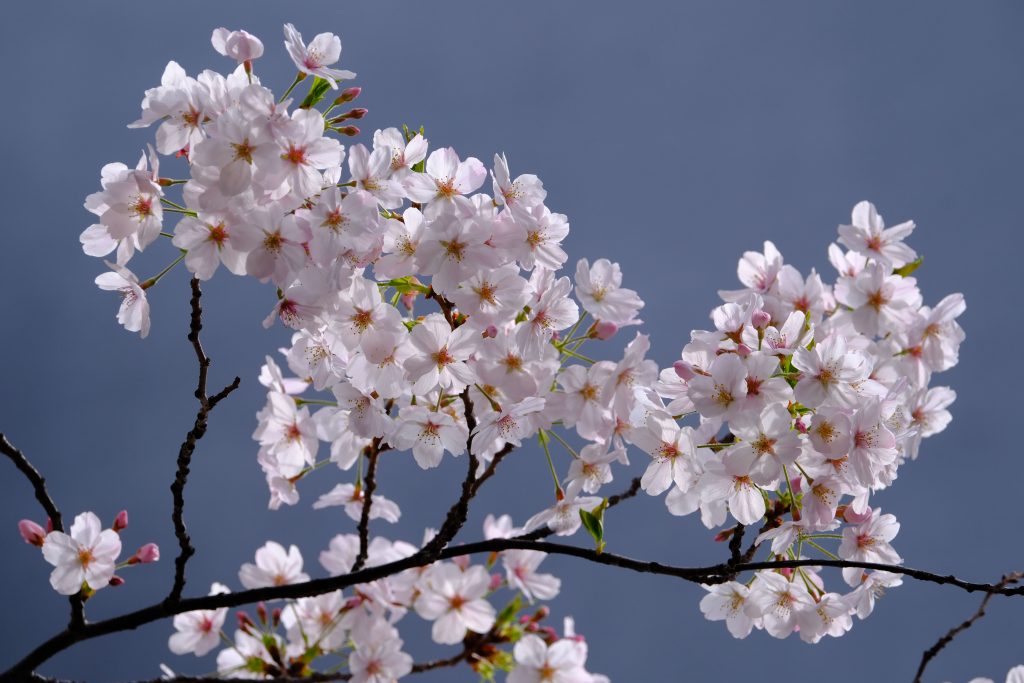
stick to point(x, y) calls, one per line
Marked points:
point(364, 518)
point(708, 574)
point(43, 496)
point(945, 640)
point(206, 404)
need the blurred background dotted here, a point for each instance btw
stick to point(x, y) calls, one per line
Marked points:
point(674, 136)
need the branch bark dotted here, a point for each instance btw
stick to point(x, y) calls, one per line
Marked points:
point(38, 482)
point(945, 640)
point(188, 447)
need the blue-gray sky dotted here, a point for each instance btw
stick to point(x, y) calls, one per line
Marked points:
point(675, 135)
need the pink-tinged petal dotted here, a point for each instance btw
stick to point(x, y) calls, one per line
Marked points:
point(449, 629)
point(67, 579)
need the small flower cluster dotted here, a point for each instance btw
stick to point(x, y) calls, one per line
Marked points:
point(84, 559)
point(431, 317)
point(361, 628)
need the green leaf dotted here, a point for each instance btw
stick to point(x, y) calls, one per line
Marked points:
point(317, 91)
point(594, 527)
point(909, 268)
point(511, 610)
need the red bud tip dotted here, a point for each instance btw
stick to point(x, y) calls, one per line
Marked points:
point(32, 532)
point(350, 131)
point(347, 95)
point(261, 611)
point(146, 554)
point(760, 319)
point(121, 521)
point(496, 580)
point(116, 581)
point(603, 330)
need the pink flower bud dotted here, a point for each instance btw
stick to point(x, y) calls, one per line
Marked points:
point(244, 621)
point(555, 336)
point(605, 330)
point(408, 299)
point(787, 572)
point(116, 581)
point(684, 370)
point(261, 611)
point(357, 113)
point(798, 484)
point(549, 633)
point(350, 131)
point(760, 319)
point(347, 95)
point(854, 518)
point(352, 603)
point(49, 525)
point(32, 532)
point(496, 580)
point(146, 554)
point(743, 350)
point(491, 332)
point(525, 619)
point(800, 426)
point(121, 521)
point(276, 616)
point(542, 613)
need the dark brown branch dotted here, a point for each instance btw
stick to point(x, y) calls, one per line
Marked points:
point(445, 305)
point(945, 640)
point(370, 485)
point(458, 512)
point(709, 574)
point(188, 447)
point(43, 496)
point(735, 545)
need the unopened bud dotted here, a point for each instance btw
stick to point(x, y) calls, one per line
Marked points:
point(146, 554)
point(276, 616)
point(542, 613)
point(549, 633)
point(684, 370)
point(32, 532)
point(743, 350)
point(855, 518)
point(723, 535)
point(496, 580)
point(798, 484)
point(555, 336)
point(603, 330)
point(760, 319)
point(787, 572)
point(261, 611)
point(49, 525)
point(800, 426)
point(116, 581)
point(408, 299)
point(121, 521)
point(491, 332)
point(357, 113)
point(245, 622)
point(347, 95)
point(350, 131)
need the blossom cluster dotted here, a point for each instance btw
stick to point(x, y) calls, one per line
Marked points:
point(85, 558)
point(431, 317)
point(361, 628)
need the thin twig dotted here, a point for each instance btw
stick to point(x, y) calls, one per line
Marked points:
point(38, 482)
point(188, 447)
point(370, 485)
point(945, 640)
